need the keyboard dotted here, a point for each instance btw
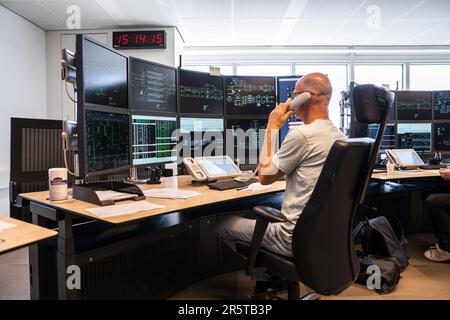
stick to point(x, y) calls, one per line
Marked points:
point(230, 184)
point(432, 167)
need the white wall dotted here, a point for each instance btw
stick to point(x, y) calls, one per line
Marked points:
point(22, 82)
point(59, 106)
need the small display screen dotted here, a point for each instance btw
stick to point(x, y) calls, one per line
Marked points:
point(217, 167)
point(408, 157)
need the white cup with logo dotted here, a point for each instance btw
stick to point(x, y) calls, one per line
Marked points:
point(58, 184)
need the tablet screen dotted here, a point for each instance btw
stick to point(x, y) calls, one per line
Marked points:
point(409, 157)
point(215, 167)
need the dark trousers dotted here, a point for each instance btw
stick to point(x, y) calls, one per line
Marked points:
point(438, 208)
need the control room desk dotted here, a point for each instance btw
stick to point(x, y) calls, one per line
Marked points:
point(406, 175)
point(22, 235)
point(65, 212)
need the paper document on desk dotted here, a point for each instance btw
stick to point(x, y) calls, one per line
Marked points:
point(5, 226)
point(167, 193)
point(258, 187)
point(121, 209)
point(113, 195)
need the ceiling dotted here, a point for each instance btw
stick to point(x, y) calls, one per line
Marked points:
point(259, 22)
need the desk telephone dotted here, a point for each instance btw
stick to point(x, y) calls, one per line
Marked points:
point(215, 168)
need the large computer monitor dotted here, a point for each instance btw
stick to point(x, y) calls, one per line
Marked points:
point(247, 95)
point(442, 136)
point(102, 74)
point(388, 141)
point(152, 139)
point(202, 131)
point(200, 93)
point(413, 105)
point(152, 86)
point(104, 142)
point(246, 142)
point(442, 105)
point(415, 136)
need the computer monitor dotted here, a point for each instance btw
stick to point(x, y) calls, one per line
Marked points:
point(102, 74)
point(202, 132)
point(413, 105)
point(104, 142)
point(388, 140)
point(442, 105)
point(200, 93)
point(415, 136)
point(247, 95)
point(442, 136)
point(285, 89)
point(152, 139)
point(152, 86)
point(247, 138)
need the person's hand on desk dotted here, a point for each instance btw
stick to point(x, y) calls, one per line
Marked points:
point(445, 174)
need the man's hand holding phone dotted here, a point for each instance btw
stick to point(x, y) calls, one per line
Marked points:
point(280, 115)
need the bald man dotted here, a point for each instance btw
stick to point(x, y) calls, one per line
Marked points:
point(300, 158)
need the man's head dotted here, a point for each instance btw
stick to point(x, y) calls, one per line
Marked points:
point(321, 90)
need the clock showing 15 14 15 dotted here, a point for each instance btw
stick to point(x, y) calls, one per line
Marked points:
point(155, 39)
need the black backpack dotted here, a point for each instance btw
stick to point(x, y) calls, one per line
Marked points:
point(389, 272)
point(383, 238)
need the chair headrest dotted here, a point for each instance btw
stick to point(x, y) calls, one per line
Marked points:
point(370, 103)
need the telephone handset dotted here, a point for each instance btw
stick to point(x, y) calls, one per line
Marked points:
point(300, 100)
point(194, 169)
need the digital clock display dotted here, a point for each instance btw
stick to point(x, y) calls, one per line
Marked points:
point(139, 39)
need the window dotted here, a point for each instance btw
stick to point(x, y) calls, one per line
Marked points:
point(380, 75)
point(430, 77)
point(338, 77)
point(225, 70)
point(264, 70)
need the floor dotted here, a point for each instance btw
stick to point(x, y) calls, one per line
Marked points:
point(421, 280)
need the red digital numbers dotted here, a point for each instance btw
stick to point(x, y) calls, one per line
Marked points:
point(145, 39)
point(123, 39)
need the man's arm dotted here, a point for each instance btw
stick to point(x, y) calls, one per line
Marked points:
point(268, 173)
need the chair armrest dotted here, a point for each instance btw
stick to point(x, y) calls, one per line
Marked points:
point(270, 214)
point(265, 215)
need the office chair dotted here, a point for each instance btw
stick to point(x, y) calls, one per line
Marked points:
point(324, 258)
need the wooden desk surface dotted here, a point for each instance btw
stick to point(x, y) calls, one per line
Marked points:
point(22, 235)
point(208, 196)
point(406, 174)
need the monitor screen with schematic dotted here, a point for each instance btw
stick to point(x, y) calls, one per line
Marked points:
point(286, 88)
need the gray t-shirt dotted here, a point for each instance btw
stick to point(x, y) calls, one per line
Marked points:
point(301, 157)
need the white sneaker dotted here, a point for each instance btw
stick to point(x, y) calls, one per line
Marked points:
point(436, 254)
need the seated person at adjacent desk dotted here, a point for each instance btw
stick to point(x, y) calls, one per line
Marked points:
point(300, 158)
point(438, 208)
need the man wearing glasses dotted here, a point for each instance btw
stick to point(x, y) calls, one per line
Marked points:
point(300, 159)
